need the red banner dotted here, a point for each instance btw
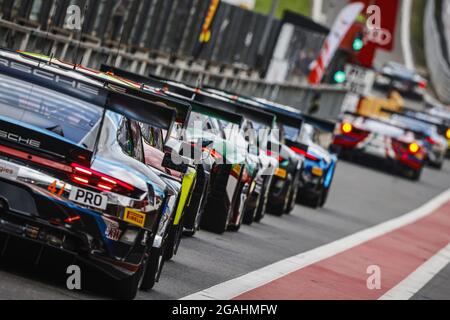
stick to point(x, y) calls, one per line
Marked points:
point(382, 36)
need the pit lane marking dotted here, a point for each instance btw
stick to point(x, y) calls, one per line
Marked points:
point(259, 278)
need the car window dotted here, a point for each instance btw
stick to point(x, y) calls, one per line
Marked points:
point(125, 138)
point(138, 149)
point(49, 110)
point(152, 136)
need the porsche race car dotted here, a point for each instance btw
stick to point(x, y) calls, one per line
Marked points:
point(74, 183)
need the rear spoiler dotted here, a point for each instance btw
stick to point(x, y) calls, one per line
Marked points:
point(442, 125)
point(416, 132)
point(250, 113)
point(183, 109)
point(321, 124)
point(186, 93)
point(152, 81)
point(218, 113)
point(92, 91)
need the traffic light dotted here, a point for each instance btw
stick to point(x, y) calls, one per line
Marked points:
point(358, 42)
point(340, 76)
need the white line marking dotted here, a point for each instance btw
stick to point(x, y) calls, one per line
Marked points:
point(406, 34)
point(406, 289)
point(235, 287)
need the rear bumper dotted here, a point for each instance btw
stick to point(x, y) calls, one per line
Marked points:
point(44, 245)
point(408, 161)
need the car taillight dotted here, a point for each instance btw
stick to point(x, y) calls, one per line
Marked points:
point(347, 128)
point(87, 176)
point(422, 84)
point(72, 219)
point(272, 154)
point(414, 148)
point(430, 140)
point(307, 155)
point(213, 153)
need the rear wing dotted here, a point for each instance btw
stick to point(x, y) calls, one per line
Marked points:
point(177, 91)
point(418, 134)
point(165, 85)
point(250, 113)
point(122, 85)
point(321, 124)
point(442, 125)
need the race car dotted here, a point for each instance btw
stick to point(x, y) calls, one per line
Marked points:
point(243, 165)
point(441, 117)
point(285, 179)
point(183, 184)
point(434, 143)
point(229, 179)
point(74, 185)
point(307, 136)
point(394, 76)
point(378, 139)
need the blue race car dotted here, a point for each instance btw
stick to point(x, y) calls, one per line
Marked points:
point(320, 165)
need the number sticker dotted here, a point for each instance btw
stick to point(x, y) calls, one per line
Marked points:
point(53, 188)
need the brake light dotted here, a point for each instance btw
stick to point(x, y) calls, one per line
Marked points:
point(36, 159)
point(272, 154)
point(213, 153)
point(72, 219)
point(86, 176)
point(414, 148)
point(305, 154)
point(422, 84)
point(430, 140)
point(346, 128)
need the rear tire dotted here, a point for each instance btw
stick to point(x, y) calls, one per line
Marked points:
point(174, 241)
point(412, 174)
point(292, 198)
point(153, 270)
point(325, 194)
point(127, 289)
point(214, 220)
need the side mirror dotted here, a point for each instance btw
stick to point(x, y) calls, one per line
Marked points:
point(179, 164)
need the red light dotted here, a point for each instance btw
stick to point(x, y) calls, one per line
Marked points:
point(422, 84)
point(104, 187)
point(35, 159)
point(72, 219)
point(81, 180)
point(305, 154)
point(213, 153)
point(430, 140)
point(88, 176)
point(271, 154)
point(109, 180)
point(82, 170)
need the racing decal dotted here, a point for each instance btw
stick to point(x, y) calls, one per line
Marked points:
point(317, 171)
point(134, 217)
point(88, 198)
point(54, 190)
point(281, 173)
point(8, 170)
point(19, 139)
point(112, 231)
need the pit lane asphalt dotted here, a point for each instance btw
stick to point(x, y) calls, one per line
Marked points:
point(361, 197)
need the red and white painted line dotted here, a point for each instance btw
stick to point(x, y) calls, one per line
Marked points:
point(408, 251)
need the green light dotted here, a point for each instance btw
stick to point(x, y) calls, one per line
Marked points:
point(340, 77)
point(358, 44)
